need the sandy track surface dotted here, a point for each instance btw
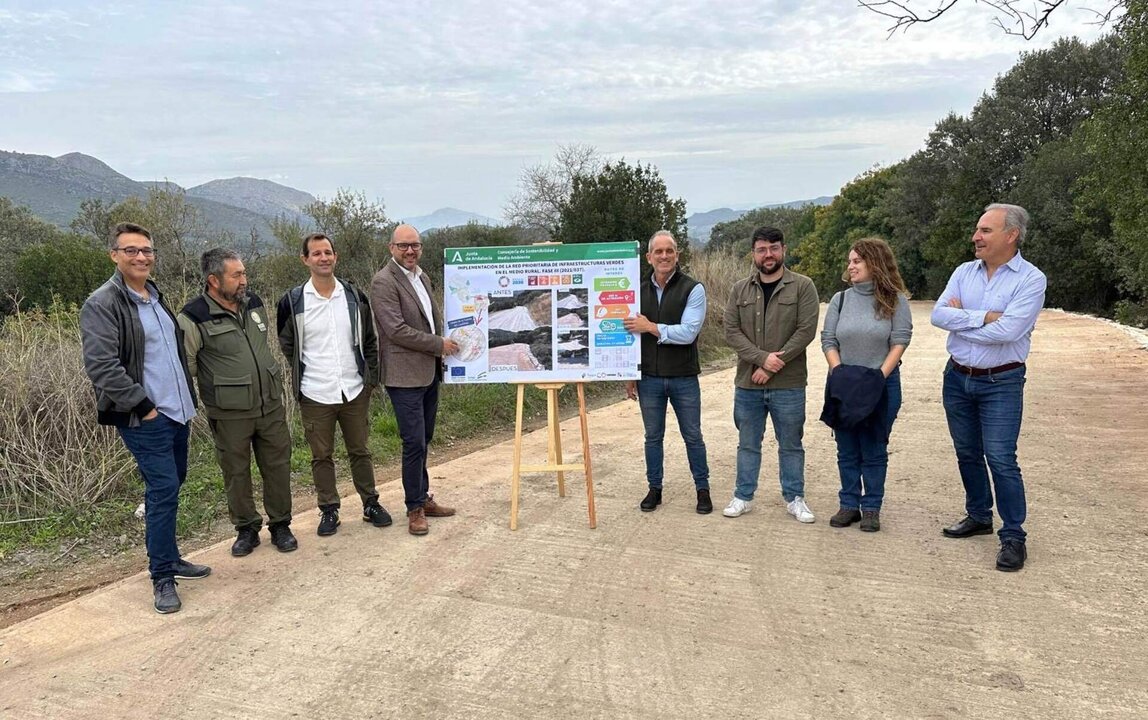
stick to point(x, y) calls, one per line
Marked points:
point(668, 614)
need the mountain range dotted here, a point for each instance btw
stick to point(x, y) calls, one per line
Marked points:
point(54, 187)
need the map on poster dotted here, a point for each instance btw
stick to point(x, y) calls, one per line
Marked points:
point(541, 313)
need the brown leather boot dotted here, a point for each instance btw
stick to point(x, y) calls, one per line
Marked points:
point(433, 509)
point(417, 522)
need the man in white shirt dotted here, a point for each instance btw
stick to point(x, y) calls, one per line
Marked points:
point(327, 332)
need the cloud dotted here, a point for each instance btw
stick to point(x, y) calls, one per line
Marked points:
point(437, 104)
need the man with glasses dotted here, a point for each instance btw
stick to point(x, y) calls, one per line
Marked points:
point(328, 335)
point(133, 354)
point(769, 320)
point(410, 325)
point(241, 383)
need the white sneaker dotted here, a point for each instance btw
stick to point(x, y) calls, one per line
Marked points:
point(737, 507)
point(798, 509)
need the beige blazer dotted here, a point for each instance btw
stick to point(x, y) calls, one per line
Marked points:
point(410, 350)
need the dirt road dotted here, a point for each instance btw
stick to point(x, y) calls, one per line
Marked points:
point(668, 614)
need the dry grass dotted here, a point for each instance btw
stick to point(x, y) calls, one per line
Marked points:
point(718, 271)
point(53, 455)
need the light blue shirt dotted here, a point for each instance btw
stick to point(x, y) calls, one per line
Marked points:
point(693, 315)
point(164, 380)
point(1016, 290)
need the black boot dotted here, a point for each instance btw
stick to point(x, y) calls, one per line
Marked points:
point(652, 500)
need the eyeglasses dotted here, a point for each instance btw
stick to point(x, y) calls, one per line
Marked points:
point(133, 251)
point(408, 246)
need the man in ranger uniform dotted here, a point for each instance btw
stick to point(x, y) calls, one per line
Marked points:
point(241, 385)
point(673, 309)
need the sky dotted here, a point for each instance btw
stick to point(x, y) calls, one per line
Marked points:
point(430, 105)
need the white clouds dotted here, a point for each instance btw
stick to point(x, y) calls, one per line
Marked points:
point(442, 103)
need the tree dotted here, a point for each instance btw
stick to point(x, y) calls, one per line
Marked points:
point(855, 213)
point(622, 203)
point(1025, 18)
point(19, 228)
point(360, 231)
point(734, 235)
point(1116, 141)
point(67, 269)
point(470, 235)
point(544, 189)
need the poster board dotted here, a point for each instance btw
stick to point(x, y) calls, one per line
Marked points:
point(541, 313)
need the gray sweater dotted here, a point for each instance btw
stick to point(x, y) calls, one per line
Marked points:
point(859, 335)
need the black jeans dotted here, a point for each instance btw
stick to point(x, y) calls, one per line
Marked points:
point(415, 411)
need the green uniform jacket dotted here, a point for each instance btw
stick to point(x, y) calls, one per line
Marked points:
point(789, 324)
point(228, 353)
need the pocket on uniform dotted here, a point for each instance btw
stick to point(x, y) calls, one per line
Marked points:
point(275, 379)
point(224, 337)
point(233, 393)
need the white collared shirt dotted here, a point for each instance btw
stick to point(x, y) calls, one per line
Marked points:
point(420, 290)
point(330, 372)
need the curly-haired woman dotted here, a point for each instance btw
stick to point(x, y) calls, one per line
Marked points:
point(868, 325)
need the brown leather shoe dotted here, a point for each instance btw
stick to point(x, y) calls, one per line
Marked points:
point(433, 509)
point(417, 522)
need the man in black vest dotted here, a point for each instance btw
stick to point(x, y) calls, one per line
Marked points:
point(673, 309)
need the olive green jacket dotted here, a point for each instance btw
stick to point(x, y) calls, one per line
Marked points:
point(789, 324)
point(228, 354)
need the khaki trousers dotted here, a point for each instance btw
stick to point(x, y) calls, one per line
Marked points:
point(353, 418)
point(270, 438)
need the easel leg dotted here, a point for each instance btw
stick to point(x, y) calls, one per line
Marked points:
point(556, 439)
point(586, 455)
point(517, 463)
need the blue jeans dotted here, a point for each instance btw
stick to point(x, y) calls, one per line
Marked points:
point(863, 455)
point(787, 410)
point(685, 394)
point(415, 410)
point(159, 447)
point(984, 415)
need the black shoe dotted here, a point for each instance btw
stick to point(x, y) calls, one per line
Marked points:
point(190, 571)
point(705, 505)
point(1012, 555)
point(166, 599)
point(282, 538)
point(844, 517)
point(652, 500)
point(376, 515)
point(328, 522)
point(247, 541)
point(870, 521)
point(968, 527)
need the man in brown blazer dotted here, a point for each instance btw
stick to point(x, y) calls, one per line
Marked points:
point(409, 324)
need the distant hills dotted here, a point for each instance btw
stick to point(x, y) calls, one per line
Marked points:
point(448, 217)
point(700, 224)
point(54, 187)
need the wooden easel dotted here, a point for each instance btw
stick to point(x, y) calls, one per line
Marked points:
point(553, 449)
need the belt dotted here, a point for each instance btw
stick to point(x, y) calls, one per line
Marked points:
point(977, 372)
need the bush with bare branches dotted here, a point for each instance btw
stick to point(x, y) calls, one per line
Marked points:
point(53, 455)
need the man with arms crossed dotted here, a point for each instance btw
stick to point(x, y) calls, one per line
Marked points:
point(989, 307)
point(409, 324)
point(770, 319)
point(133, 354)
point(241, 384)
point(673, 309)
point(328, 334)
